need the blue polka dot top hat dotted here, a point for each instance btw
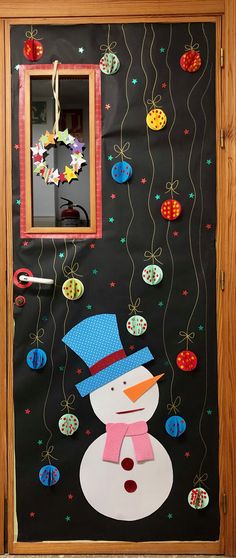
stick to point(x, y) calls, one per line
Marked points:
point(97, 342)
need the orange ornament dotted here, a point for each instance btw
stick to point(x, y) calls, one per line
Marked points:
point(171, 209)
point(191, 61)
point(186, 361)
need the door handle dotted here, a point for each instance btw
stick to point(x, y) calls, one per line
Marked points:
point(43, 280)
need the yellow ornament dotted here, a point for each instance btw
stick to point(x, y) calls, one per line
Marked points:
point(156, 118)
point(73, 288)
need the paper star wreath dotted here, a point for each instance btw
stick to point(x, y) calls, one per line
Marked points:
point(39, 153)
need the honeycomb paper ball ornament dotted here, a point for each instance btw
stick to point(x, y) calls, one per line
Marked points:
point(73, 288)
point(68, 424)
point(198, 498)
point(109, 63)
point(121, 172)
point(186, 361)
point(152, 274)
point(49, 475)
point(175, 426)
point(191, 61)
point(136, 325)
point(171, 209)
point(156, 119)
point(36, 359)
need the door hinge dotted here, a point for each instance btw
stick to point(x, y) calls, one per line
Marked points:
point(224, 502)
point(222, 280)
point(222, 58)
point(222, 138)
point(5, 526)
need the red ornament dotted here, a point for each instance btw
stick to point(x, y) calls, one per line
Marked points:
point(33, 49)
point(191, 61)
point(186, 360)
point(171, 209)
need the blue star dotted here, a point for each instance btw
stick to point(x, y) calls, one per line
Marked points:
point(67, 518)
point(208, 162)
point(162, 50)
point(191, 195)
point(89, 306)
point(161, 303)
point(61, 255)
point(111, 219)
point(94, 271)
point(157, 196)
point(134, 81)
point(40, 442)
point(17, 202)
point(209, 412)
point(170, 515)
point(122, 240)
point(61, 368)
point(201, 328)
point(110, 157)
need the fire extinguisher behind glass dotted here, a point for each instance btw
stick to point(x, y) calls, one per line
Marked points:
point(70, 217)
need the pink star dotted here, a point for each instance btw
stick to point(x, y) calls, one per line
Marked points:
point(87, 432)
point(132, 347)
point(143, 180)
point(208, 226)
point(79, 371)
point(175, 233)
point(25, 243)
point(187, 454)
point(107, 106)
point(70, 496)
point(164, 85)
point(32, 514)
point(92, 246)
point(113, 284)
point(186, 132)
point(185, 293)
point(113, 196)
point(27, 411)
point(16, 146)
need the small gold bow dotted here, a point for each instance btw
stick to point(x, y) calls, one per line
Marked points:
point(133, 307)
point(47, 454)
point(187, 336)
point(121, 150)
point(72, 271)
point(192, 47)
point(172, 187)
point(32, 34)
point(67, 403)
point(36, 337)
point(154, 101)
point(173, 407)
point(153, 255)
point(200, 479)
point(109, 47)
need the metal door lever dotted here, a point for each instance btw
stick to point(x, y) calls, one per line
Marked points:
point(26, 279)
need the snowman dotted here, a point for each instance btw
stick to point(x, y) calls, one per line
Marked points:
point(125, 474)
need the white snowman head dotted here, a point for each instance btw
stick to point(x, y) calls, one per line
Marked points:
point(110, 403)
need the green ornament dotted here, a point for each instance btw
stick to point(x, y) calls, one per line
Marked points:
point(136, 325)
point(68, 424)
point(198, 498)
point(109, 63)
point(152, 274)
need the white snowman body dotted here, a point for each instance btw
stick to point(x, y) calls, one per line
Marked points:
point(128, 490)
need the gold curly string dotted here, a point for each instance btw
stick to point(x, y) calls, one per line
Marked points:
point(47, 454)
point(109, 47)
point(32, 34)
point(72, 271)
point(192, 46)
point(67, 403)
point(200, 479)
point(36, 337)
point(172, 187)
point(121, 150)
point(153, 255)
point(154, 102)
point(174, 406)
point(186, 337)
point(134, 307)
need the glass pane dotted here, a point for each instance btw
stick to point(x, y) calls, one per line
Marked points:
point(59, 172)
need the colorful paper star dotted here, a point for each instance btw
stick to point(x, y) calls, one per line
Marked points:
point(94, 271)
point(157, 196)
point(122, 240)
point(38, 148)
point(187, 454)
point(107, 106)
point(170, 515)
point(62, 177)
point(17, 202)
point(113, 284)
point(39, 168)
point(79, 371)
point(17, 67)
point(67, 518)
point(191, 195)
point(87, 432)
point(110, 157)
point(92, 245)
point(50, 138)
point(161, 303)
point(54, 177)
point(111, 219)
point(186, 132)
point(143, 180)
point(200, 328)
point(185, 292)
point(208, 226)
point(209, 412)
point(27, 411)
point(63, 136)
point(134, 81)
point(25, 243)
point(69, 174)
point(61, 368)
point(78, 160)
point(77, 146)
point(16, 146)
point(61, 255)
point(89, 306)
point(164, 85)
point(113, 196)
point(32, 514)
point(162, 50)
point(37, 158)
point(40, 442)
point(81, 50)
point(208, 162)
point(175, 233)
point(70, 496)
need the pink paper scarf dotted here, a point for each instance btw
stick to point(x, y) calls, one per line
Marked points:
point(116, 432)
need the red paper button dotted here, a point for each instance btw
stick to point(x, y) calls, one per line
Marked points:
point(127, 463)
point(171, 209)
point(130, 486)
point(20, 301)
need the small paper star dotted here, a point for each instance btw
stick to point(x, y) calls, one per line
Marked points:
point(161, 303)
point(94, 271)
point(16, 146)
point(157, 196)
point(25, 243)
point(175, 233)
point(162, 50)
point(61, 368)
point(89, 306)
point(123, 240)
point(17, 67)
point(134, 81)
point(107, 106)
point(61, 255)
point(143, 180)
point(170, 515)
point(40, 442)
point(70, 496)
point(44, 318)
point(69, 174)
point(79, 371)
point(208, 162)
point(87, 432)
point(113, 196)
point(62, 177)
point(187, 454)
point(54, 177)
point(111, 219)
point(201, 328)
point(191, 195)
point(209, 412)
point(208, 226)
point(92, 245)
point(37, 158)
point(27, 411)
point(77, 146)
point(67, 518)
point(32, 514)
point(63, 136)
point(50, 138)
point(186, 132)
point(113, 284)
point(164, 85)
point(132, 347)
point(81, 50)
point(17, 202)
point(185, 292)
point(110, 157)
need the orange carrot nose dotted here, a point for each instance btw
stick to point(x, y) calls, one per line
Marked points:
point(134, 392)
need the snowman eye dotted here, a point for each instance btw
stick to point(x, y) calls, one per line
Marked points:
point(125, 383)
point(112, 389)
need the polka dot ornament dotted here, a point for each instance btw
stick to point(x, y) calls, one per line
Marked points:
point(121, 172)
point(156, 119)
point(186, 361)
point(73, 289)
point(36, 359)
point(136, 325)
point(109, 63)
point(175, 426)
point(171, 210)
point(68, 424)
point(191, 61)
point(198, 498)
point(49, 475)
point(152, 274)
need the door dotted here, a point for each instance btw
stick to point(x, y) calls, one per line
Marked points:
point(115, 293)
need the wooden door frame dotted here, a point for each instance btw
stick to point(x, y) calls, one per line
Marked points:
point(137, 10)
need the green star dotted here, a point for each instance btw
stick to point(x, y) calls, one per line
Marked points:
point(43, 139)
point(170, 515)
point(161, 303)
point(63, 136)
point(40, 442)
point(201, 328)
point(61, 368)
point(208, 162)
point(110, 157)
point(209, 412)
point(162, 50)
point(61, 255)
point(89, 306)
point(157, 196)
point(111, 219)
point(122, 240)
point(17, 202)
point(191, 196)
point(44, 318)
point(67, 518)
point(94, 271)
point(134, 81)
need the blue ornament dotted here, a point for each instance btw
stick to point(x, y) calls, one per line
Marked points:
point(121, 172)
point(175, 426)
point(49, 475)
point(36, 359)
